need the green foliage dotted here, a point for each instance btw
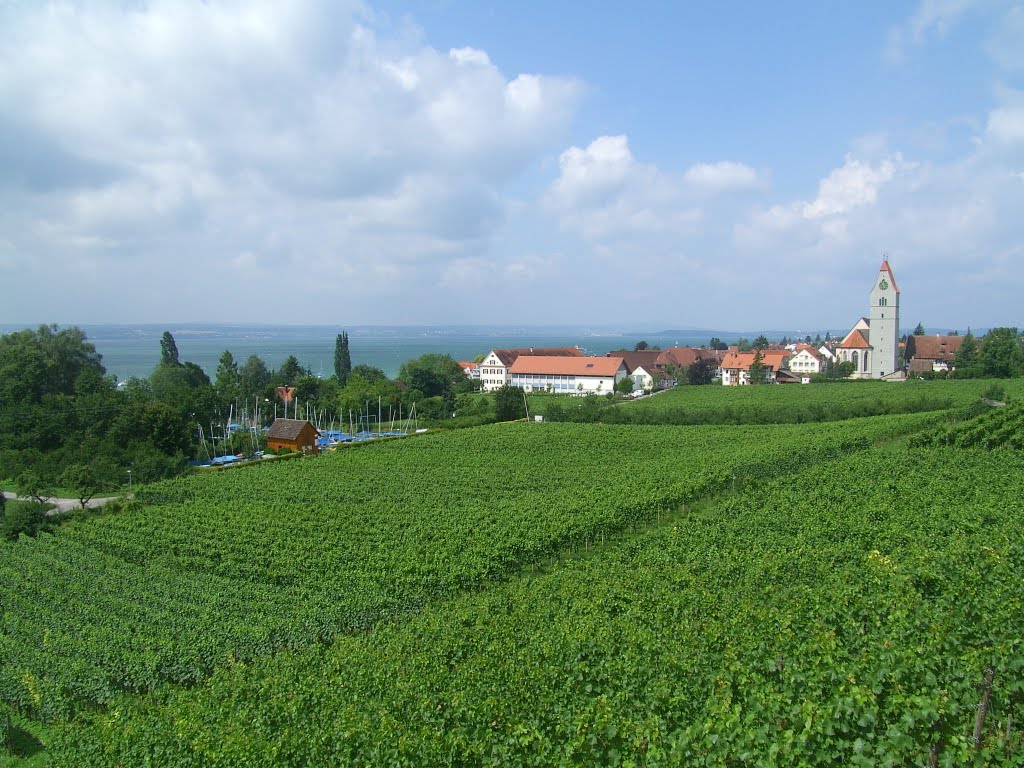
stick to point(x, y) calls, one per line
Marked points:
point(761, 342)
point(168, 350)
point(342, 358)
point(369, 373)
point(44, 362)
point(717, 343)
point(254, 377)
point(1001, 355)
point(22, 517)
point(509, 403)
point(755, 374)
point(701, 372)
point(919, 330)
point(290, 372)
point(228, 381)
point(624, 386)
point(245, 563)
point(435, 375)
point(793, 623)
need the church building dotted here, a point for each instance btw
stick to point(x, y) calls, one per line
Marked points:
point(873, 344)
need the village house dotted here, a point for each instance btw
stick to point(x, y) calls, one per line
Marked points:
point(806, 360)
point(293, 434)
point(931, 353)
point(567, 375)
point(736, 366)
point(494, 369)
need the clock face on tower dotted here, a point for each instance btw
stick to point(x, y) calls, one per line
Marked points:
point(884, 285)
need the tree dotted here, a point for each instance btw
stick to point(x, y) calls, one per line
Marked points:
point(717, 343)
point(509, 403)
point(624, 386)
point(369, 373)
point(701, 372)
point(640, 346)
point(435, 375)
point(228, 380)
point(761, 342)
point(919, 330)
point(47, 361)
point(291, 371)
point(254, 376)
point(83, 479)
point(342, 358)
point(965, 361)
point(755, 373)
point(31, 485)
point(1001, 356)
point(743, 344)
point(168, 349)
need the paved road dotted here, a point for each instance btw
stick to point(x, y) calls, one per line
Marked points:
point(63, 505)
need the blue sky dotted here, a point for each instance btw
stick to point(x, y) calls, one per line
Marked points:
point(717, 165)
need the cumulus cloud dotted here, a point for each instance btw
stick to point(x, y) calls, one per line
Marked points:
point(722, 176)
point(305, 135)
point(603, 191)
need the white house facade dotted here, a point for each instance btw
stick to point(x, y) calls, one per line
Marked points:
point(494, 370)
point(567, 375)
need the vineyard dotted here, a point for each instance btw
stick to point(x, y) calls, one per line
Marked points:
point(542, 594)
point(868, 613)
point(767, 405)
point(234, 566)
point(998, 428)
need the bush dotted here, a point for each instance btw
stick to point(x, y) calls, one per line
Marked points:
point(20, 517)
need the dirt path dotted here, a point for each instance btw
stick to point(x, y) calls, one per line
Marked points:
point(63, 505)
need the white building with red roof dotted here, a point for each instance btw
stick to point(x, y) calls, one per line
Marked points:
point(736, 366)
point(567, 375)
point(806, 360)
point(494, 368)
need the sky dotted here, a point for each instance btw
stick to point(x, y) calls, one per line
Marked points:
point(727, 165)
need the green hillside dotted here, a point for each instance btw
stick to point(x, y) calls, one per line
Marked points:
point(535, 594)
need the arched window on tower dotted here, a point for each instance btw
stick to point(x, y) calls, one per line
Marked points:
point(883, 302)
point(855, 359)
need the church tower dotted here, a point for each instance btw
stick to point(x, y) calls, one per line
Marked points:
point(885, 323)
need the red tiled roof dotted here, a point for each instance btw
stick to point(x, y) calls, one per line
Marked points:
point(508, 356)
point(644, 358)
point(886, 268)
point(855, 340)
point(567, 366)
point(683, 357)
point(770, 358)
point(934, 347)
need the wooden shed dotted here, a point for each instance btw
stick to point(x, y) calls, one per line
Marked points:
point(294, 434)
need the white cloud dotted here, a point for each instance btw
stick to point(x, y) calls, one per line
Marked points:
point(206, 137)
point(1006, 125)
point(853, 185)
point(722, 176)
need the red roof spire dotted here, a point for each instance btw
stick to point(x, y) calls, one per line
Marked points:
point(888, 270)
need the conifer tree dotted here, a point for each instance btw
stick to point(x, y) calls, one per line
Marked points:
point(342, 358)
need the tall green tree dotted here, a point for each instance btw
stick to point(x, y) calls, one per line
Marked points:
point(966, 359)
point(761, 342)
point(290, 371)
point(1001, 355)
point(254, 377)
point(755, 373)
point(342, 358)
point(919, 329)
point(228, 381)
point(717, 343)
point(168, 349)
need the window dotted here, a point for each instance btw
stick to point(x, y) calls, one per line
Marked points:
point(883, 302)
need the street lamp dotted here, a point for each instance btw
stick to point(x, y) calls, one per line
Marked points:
point(129, 482)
